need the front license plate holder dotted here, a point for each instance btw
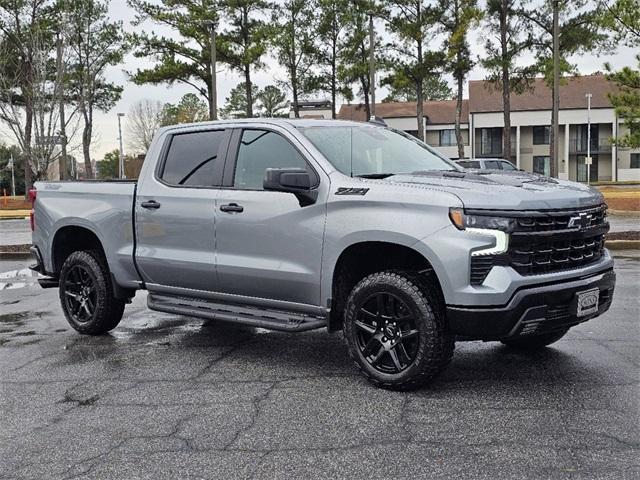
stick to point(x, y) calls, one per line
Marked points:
point(587, 302)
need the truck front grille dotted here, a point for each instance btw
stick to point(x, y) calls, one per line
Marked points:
point(547, 241)
point(559, 240)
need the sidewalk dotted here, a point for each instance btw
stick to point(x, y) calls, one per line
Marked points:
point(10, 214)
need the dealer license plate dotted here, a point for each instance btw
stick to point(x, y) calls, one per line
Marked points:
point(588, 302)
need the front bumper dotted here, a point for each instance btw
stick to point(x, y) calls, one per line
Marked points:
point(532, 309)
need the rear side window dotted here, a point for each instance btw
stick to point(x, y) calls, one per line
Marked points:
point(469, 164)
point(193, 159)
point(262, 149)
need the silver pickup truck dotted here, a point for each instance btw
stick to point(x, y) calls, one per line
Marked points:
point(297, 225)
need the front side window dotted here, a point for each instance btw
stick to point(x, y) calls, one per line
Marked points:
point(262, 149)
point(508, 166)
point(541, 135)
point(374, 151)
point(192, 159)
point(492, 164)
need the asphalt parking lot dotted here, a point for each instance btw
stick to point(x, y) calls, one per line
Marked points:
point(172, 397)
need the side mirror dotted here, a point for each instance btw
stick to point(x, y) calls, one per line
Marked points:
point(291, 180)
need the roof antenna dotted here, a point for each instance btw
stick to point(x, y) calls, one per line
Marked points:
point(378, 121)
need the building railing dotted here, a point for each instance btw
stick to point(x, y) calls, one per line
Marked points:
point(598, 145)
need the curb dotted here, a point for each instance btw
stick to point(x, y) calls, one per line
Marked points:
point(622, 244)
point(624, 213)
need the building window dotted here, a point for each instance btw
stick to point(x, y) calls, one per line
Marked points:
point(448, 138)
point(541, 135)
point(635, 160)
point(491, 141)
point(542, 165)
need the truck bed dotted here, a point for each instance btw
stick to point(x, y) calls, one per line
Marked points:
point(105, 208)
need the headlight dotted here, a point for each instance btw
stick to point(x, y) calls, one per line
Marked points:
point(463, 221)
point(496, 227)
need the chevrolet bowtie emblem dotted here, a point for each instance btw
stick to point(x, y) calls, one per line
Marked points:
point(581, 221)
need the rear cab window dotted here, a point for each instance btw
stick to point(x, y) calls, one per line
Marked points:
point(195, 159)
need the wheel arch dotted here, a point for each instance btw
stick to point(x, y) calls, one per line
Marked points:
point(361, 258)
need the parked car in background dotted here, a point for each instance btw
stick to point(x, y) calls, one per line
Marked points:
point(487, 164)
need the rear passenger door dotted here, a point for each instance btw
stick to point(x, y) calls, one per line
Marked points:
point(175, 211)
point(267, 245)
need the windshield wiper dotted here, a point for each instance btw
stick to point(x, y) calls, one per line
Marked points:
point(375, 175)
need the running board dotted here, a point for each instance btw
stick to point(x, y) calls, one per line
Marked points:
point(253, 316)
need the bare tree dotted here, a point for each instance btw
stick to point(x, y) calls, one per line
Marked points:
point(28, 101)
point(144, 118)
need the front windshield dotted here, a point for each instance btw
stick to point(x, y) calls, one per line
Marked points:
point(374, 151)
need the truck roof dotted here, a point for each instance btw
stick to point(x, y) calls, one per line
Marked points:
point(283, 122)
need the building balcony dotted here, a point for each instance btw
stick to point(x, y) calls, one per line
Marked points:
point(578, 146)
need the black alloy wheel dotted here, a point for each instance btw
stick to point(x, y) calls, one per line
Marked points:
point(81, 294)
point(86, 293)
point(387, 334)
point(395, 329)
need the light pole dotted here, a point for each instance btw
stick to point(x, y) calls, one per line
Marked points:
point(121, 169)
point(588, 160)
point(13, 178)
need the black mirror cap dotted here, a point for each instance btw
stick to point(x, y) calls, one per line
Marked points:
point(292, 180)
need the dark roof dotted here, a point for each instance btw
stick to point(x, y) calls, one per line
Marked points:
point(483, 97)
point(436, 111)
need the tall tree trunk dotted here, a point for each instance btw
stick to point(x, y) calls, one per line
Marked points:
point(365, 91)
point(86, 150)
point(506, 83)
point(294, 88)
point(459, 140)
point(420, 110)
point(247, 90)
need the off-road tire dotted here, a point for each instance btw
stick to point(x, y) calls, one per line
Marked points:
point(108, 310)
point(435, 344)
point(536, 342)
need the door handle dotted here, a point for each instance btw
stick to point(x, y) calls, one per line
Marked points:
point(232, 207)
point(151, 204)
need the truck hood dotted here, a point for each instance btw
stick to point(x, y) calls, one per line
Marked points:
point(504, 190)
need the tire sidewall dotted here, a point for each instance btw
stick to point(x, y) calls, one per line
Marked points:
point(92, 265)
point(418, 307)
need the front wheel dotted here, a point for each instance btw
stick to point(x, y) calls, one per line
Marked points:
point(86, 294)
point(395, 328)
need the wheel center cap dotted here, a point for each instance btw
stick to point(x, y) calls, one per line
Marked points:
point(390, 331)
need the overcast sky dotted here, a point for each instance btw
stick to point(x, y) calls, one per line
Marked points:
point(107, 125)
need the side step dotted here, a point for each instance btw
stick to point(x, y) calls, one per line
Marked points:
point(252, 316)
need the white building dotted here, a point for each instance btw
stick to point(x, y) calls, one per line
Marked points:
point(530, 120)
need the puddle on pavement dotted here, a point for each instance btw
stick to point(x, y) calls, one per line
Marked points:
point(11, 325)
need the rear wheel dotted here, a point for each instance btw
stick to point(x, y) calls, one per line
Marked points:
point(395, 328)
point(536, 342)
point(86, 294)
